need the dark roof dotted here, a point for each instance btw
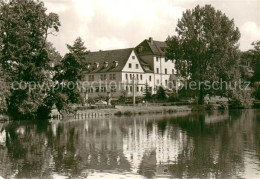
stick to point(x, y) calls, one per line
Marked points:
point(158, 47)
point(110, 57)
point(152, 47)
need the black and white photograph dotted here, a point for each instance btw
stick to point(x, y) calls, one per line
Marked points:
point(129, 89)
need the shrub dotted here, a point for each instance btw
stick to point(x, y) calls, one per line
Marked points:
point(174, 97)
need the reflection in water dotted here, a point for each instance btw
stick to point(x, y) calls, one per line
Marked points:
point(217, 144)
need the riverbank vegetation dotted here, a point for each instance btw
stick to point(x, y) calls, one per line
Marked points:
point(206, 49)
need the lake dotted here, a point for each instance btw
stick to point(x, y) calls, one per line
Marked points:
point(182, 145)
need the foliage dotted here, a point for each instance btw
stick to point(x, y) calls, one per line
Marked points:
point(147, 92)
point(161, 94)
point(174, 97)
point(67, 75)
point(256, 61)
point(242, 98)
point(79, 51)
point(24, 28)
point(122, 97)
point(206, 48)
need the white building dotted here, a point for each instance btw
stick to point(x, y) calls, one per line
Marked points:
point(128, 70)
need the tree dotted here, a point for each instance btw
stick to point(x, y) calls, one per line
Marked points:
point(206, 48)
point(161, 94)
point(253, 55)
point(79, 50)
point(24, 28)
point(67, 75)
point(147, 92)
point(256, 61)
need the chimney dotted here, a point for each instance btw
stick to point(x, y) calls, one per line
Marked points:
point(151, 40)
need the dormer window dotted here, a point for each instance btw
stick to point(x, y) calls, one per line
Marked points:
point(115, 63)
point(96, 65)
point(105, 64)
point(141, 48)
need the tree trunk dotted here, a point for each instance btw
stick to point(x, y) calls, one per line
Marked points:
point(201, 95)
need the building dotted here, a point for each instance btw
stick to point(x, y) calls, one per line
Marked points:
point(126, 71)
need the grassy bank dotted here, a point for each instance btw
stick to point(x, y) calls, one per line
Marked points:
point(137, 110)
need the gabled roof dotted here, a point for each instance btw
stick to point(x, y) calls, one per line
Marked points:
point(158, 47)
point(110, 57)
point(151, 47)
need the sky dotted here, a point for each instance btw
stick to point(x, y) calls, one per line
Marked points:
point(116, 24)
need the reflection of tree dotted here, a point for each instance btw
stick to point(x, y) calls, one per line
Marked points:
point(218, 148)
point(148, 165)
point(27, 151)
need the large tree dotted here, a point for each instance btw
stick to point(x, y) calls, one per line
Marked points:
point(206, 47)
point(68, 75)
point(253, 57)
point(256, 61)
point(24, 28)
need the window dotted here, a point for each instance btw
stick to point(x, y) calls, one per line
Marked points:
point(130, 65)
point(141, 77)
point(97, 89)
point(166, 82)
point(136, 66)
point(158, 81)
point(137, 76)
point(173, 71)
point(103, 77)
point(142, 89)
point(113, 89)
point(157, 59)
point(112, 76)
point(137, 89)
point(165, 70)
point(103, 89)
point(131, 88)
point(157, 70)
point(150, 78)
point(133, 57)
point(91, 77)
point(130, 76)
point(126, 76)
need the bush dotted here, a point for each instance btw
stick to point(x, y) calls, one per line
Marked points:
point(118, 113)
point(209, 107)
point(173, 98)
point(161, 95)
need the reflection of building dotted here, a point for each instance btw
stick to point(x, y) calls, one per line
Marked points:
point(2, 137)
point(140, 141)
point(98, 144)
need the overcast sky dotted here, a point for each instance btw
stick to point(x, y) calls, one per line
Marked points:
point(113, 24)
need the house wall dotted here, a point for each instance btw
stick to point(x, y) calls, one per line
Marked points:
point(124, 80)
point(106, 84)
point(161, 65)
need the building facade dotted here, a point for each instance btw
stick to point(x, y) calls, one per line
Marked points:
point(127, 71)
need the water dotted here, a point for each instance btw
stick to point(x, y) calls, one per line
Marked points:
point(183, 145)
